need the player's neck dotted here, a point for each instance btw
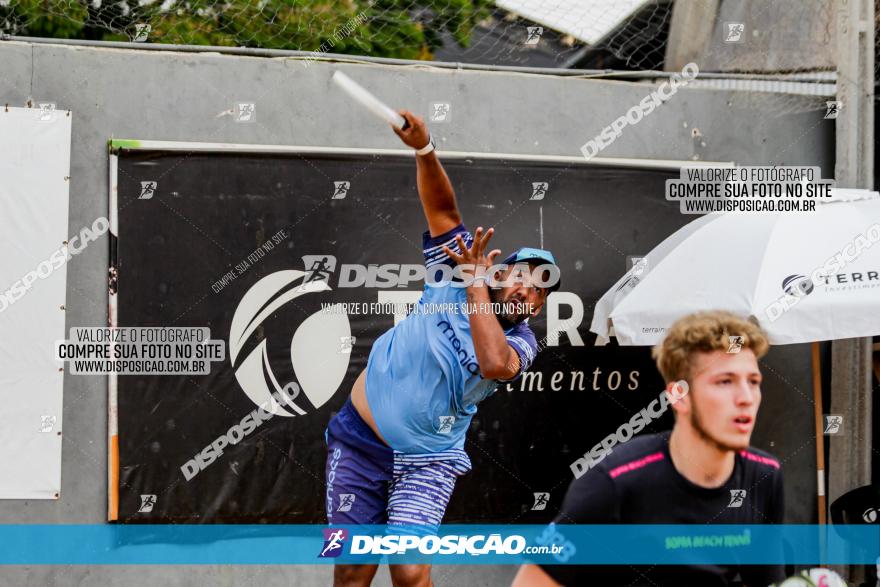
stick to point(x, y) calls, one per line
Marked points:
point(698, 459)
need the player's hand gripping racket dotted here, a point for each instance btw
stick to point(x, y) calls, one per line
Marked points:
point(369, 101)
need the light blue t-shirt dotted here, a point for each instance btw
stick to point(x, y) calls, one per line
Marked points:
point(423, 381)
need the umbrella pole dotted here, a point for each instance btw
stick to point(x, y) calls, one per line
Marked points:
point(820, 434)
point(820, 451)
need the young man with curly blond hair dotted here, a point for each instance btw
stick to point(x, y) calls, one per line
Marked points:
point(702, 472)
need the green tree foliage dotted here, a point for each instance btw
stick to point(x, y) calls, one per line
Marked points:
point(409, 29)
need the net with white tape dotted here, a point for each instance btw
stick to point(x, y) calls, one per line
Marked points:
point(785, 46)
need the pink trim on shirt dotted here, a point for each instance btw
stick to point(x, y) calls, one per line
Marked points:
point(759, 459)
point(638, 464)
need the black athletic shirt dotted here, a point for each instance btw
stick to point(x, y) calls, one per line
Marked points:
point(638, 484)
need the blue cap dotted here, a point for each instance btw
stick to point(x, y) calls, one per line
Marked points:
point(537, 256)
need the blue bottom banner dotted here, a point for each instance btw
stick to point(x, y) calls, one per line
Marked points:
point(448, 544)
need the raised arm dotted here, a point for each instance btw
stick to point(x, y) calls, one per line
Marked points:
point(435, 189)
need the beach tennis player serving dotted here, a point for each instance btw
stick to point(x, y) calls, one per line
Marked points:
point(396, 447)
point(703, 472)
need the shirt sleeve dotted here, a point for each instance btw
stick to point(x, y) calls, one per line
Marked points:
point(522, 339)
point(435, 256)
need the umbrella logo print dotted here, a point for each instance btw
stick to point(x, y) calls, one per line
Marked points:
point(630, 281)
point(797, 285)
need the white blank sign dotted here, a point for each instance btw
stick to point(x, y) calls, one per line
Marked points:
point(34, 179)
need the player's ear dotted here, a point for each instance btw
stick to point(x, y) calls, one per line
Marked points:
point(678, 396)
point(540, 306)
point(536, 310)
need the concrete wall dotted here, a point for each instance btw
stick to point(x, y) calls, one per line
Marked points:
point(163, 95)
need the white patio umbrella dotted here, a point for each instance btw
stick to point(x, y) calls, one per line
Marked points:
point(805, 277)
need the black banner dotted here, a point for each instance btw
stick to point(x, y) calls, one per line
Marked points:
point(218, 240)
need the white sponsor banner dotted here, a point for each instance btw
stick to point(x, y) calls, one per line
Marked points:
point(35, 170)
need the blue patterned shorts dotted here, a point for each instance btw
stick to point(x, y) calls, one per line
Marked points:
point(369, 483)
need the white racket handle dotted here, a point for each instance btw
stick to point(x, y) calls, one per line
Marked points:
point(368, 100)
